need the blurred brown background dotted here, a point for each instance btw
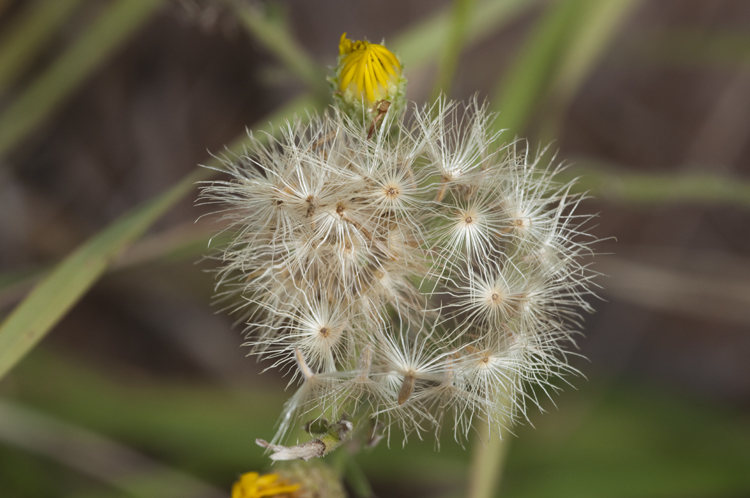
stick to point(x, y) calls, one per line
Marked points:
point(669, 96)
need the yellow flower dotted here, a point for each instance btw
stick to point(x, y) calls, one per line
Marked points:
point(254, 485)
point(367, 69)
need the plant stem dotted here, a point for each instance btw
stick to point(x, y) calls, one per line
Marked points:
point(357, 480)
point(487, 463)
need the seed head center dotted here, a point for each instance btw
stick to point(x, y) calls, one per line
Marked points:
point(522, 222)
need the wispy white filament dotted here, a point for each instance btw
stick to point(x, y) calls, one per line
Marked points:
point(421, 277)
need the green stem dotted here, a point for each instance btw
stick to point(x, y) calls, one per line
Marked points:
point(343, 463)
point(487, 463)
point(355, 476)
point(338, 461)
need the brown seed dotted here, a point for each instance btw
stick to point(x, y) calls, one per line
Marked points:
point(407, 387)
point(311, 205)
point(365, 360)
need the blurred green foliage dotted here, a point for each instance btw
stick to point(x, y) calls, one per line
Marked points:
point(619, 440)
point(606, 440)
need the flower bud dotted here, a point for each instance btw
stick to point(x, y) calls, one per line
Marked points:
point(254, 485)
point(366, 77)
point(317, 479)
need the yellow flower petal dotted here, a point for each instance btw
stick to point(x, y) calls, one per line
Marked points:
point(345, 45)
point(278, 490)
point(365, 69)
point(368, 82)
point(253, 485)
point(390, 61)
point(380, 75)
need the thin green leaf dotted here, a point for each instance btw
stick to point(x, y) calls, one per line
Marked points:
point(195, 427)
point(606, 183)
point(709, 297)
point(56, 294)
point(601, 23)
point(631, 440)
point(694, 48)
point(357, 479)
point(50, 90)
point(28, 34)
point(422, 43)
point(603, 441)
point(275, 35)
point(454, 44)
point(174, 244)
point(615, 185)
point(96, 456)
point(25, 326)
point(528, 77)
point(68, 282)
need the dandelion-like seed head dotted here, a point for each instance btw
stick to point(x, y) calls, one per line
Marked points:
point(420, 276)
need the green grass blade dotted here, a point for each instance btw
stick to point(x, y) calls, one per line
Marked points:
point(613, 185)
point(28, 34)
point(600, 24)
point(604, 182)
point(96, 456)
point(484, 19)
point(695, 48)
point(275, 35)
point(423, 42)
point(51, 299)
point(452, 48)
point(605, 440)
point(56, 294)
point(44, 95)
point(529, 75)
